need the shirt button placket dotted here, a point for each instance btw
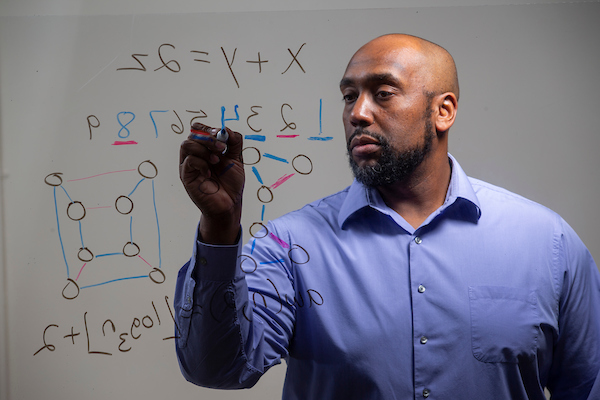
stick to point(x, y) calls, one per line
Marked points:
point(423, 339)
point(421, 289)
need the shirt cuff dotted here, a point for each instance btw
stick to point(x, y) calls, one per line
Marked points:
point(215, 262)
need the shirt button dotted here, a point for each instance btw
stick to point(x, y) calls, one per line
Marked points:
point(426, 393)
point(421, 289)
point(203, 261)
point(423, 340)
point(418, 240)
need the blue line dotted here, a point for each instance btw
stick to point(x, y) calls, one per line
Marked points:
point(114, 280)
point(157, 226)
point(154, 122)
point(258, 138)
point(59, 234)
point(257, 175)
point(125, 126)
point(321, 138)
point(275, 158)
point(227, 168)
point(272, 262)
point(202, 137)
point(320, 116)
point(262, 215)
point(65, 190)
point(136, 186)
point(223, 119)
point(81, 235)
point(253, 245)
point(109, 254)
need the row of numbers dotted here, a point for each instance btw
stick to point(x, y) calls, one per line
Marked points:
point(125, 120)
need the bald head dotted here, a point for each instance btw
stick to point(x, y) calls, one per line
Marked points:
point(431, 63)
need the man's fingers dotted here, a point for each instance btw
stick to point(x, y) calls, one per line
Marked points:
point(211, 170)
point(200, 150)
point(193, 167)
point(234, 145)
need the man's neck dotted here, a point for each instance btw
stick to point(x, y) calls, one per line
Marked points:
point(416, 197)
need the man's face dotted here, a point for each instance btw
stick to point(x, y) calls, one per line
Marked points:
point(387, 114)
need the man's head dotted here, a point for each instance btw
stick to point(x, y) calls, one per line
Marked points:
point(401, 94)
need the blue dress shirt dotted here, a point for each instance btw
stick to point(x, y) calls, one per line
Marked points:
point(492, 297)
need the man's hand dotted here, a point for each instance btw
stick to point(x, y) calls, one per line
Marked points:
point(214, 181)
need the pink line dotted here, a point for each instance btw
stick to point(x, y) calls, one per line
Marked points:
point(145, 261)
point(287, 136)
point(123, 142)
point(281, 242)
point(95, 208)
point(281, 180)
point(84, 264)
point(106, 173)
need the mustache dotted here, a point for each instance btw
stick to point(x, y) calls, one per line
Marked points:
point(365, 132)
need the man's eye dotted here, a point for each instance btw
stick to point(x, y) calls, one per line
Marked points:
point(348, 98)
point(383, 94)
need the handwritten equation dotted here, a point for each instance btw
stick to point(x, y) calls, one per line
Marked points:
point(100, 338)
point(164, 62)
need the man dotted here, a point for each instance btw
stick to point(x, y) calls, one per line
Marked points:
point(414, 282)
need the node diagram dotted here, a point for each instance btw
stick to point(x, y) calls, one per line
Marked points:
point(302, 165)
point(101, 222)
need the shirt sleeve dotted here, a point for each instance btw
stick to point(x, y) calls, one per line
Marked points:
point(228, 335)
point(575, 372)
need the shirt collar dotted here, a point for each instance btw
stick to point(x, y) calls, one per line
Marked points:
point(460, 192)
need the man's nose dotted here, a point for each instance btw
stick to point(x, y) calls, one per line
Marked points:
point(362, 111)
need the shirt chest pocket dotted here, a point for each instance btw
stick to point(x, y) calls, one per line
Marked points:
point(504, 323)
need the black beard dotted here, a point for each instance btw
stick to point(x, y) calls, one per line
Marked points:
point(392, 166)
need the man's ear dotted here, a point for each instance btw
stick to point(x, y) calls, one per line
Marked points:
point(447, 104)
